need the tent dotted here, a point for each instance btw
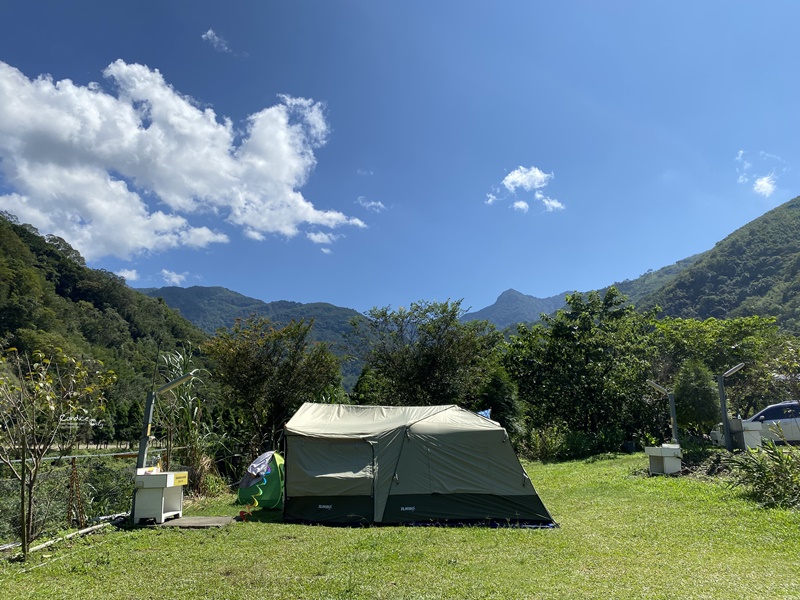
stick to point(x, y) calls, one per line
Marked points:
point(404, 464)
point(262, 485)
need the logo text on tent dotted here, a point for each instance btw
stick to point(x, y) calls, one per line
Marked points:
point(325, 506)
point(408, 508)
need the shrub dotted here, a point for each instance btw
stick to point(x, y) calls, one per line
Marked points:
point(557, 442)
point(770, 475)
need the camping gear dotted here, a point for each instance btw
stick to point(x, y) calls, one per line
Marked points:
point(262, 485)
point(350, 464)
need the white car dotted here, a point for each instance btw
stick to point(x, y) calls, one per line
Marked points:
point(785, 415)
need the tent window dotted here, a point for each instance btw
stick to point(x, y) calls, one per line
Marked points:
point(329, 467)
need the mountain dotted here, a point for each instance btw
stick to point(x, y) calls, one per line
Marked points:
point(513, 307)
point(753, 271)
point(212, 308)
point(50, 299)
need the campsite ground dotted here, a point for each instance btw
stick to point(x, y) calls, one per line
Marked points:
point(622, 535)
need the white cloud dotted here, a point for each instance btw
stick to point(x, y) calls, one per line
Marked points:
point(322, 237)
point(765, 186)
point(520, 205)
point(129, 274)
point(771, 157)
point(173, 278)
point(528, 179)
point(216, 41)
point(365, 172)
point(550, 204)
point(88, 165)
point(326, 250)
point(375, 205)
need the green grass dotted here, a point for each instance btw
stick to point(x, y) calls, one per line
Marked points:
point(622, 535)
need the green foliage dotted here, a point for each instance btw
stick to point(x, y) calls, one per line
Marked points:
point(770, 474)
point(43, 399)
point(585, 367)
point(213, 308)
point(719, 344)
point(499, 395)
point(269, 372)
point(425, 355)
point(696, 397)
point(754, 271)
point(557, 443)
point(181, 417)
point(49, 299)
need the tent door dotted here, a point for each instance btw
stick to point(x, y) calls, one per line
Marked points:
point(329, 481)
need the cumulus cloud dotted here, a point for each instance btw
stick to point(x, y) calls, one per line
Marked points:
point(129, 274)
point(125, 172)
point(765, 186)
point(375, 205)
point(326, 250)
point(520, 205)
point(527, 179)
point(173, 278)
point(217, 41)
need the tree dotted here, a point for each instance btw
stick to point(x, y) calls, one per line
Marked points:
point(769, 356)
point(424, 355)
point(43, 399)
point(585, 367)
point(696, 396)
point(270, 371)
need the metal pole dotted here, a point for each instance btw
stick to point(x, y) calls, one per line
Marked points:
point(146, 425)
point(23, 515)
point(723, 407)
point(673, 415)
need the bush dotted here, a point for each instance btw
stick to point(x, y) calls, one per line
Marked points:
point(770, 475)
point(557, 442)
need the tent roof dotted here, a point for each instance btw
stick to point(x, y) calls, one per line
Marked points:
point(344, 420)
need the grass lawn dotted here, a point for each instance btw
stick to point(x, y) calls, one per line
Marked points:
point(621, 535)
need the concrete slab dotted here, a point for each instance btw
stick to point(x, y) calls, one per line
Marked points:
point(197, 522)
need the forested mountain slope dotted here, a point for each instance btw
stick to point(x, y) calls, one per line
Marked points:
point(212, 308)
point(50, 299)
point(753, 271)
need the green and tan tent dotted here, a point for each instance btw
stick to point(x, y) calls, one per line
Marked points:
point(411, 464)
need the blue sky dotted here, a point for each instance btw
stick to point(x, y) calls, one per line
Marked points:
point(370, 153)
